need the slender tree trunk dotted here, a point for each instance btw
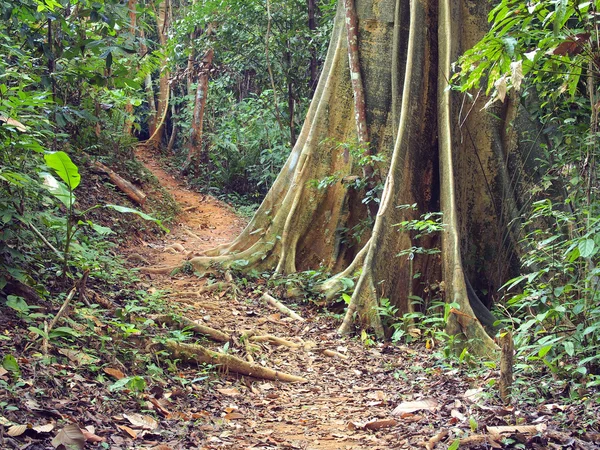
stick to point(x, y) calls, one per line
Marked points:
point(163, 83)
point(195, 150)
point(131, 5)
point(290, 96)
point(312, 26)
point(149, 90)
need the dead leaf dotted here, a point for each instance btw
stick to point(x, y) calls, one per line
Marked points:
point(523, 429)
point(234, 416)
point(69, 437)
point(128, 430)
point(516, 69)
point(473, 395)
point(141, 421)
point(3, 371)
point(458, 415)
point(232, 392)
point(5, 422)
point(378, 424)
point(161, 447)
point(17, 430)
point(500, 86)
point(91, 436)
point(78, 357)
point(417, 405)
point(44, 428)
point(15, 123)
point(114, 373)
point(266, 386)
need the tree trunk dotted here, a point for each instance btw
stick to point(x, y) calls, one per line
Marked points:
point(163, 84)
point(433, 155)
point(131, 5)
point(195, 152)
point(312, 26)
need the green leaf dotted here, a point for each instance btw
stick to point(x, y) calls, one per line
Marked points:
point(569, 348)
point(64, 167)
point(17, 303)
point(124, 209)
point(586, 248)
point(57, 189)
point(9, 362)
point(136, 383)
point(544, 350)
point(455, 444)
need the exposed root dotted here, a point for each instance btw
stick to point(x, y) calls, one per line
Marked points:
point(165, 270)
point(197, 353)
point(281, 307)
point(220, 286)
point(191, 234)
point(184, 322)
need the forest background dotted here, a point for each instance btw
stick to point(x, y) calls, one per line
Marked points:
point(220, 90)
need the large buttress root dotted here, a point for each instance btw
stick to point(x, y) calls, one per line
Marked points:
point(432, 156)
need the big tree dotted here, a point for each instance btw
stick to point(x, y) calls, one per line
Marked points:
point(427, 147)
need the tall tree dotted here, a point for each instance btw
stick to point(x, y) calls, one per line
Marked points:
point(431, 153)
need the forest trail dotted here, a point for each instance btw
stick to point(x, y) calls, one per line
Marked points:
point(348, 400)
point(350, 397)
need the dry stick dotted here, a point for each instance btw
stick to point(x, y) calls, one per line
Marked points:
point(197, 353)
point(281, 307)
point(430, 445)
point(183, 322)
point(506, 366)
point(82, 286)
point(58, 315)
point(332, 353)
point(45, 241)
point(274, 340)
point(360, 111)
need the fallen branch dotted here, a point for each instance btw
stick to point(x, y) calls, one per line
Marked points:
point(184, 322)
point(334, 354)
point(274, 340)
point(127, 187)
point(430, 445)
point(197, 353)
point(281, 307)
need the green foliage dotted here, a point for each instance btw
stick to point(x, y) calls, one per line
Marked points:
point(249, 121)
point(545, 54)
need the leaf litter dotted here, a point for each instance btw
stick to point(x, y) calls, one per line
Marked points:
point(357, 397)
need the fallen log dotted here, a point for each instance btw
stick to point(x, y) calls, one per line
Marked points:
point(127, 187)
point(281, 307)
point(184, 322)
point(200, 354)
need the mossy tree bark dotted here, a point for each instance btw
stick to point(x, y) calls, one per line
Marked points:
point(434, 154)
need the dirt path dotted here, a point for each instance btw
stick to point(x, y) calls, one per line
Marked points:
point(349, 398)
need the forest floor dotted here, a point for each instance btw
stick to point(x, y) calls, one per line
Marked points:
point(359, 394)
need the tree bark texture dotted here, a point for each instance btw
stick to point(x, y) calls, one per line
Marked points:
point(438, 153)
point(195, 152)
point(162, 105)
